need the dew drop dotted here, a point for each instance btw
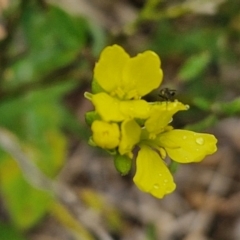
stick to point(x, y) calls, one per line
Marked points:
point(200, 141)
point(156, 186)
point(184, 137)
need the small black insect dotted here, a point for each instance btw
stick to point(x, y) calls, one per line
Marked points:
point(167, 94)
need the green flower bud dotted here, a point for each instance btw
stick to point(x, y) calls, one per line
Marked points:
point(123, 164)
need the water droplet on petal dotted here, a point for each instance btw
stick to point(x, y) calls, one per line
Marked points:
point(184, 137)
point(156, 186)
point(200, 141)
point(165, 180)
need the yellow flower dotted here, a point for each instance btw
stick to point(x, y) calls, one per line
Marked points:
point(105, 135)
point(125, 77)
point(122, 120)
point(152, 174)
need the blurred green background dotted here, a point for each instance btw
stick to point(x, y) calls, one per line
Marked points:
point(47, 53)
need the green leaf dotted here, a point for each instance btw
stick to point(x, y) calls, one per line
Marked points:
point(202, 103)
point(172, 41)
point(50, 153)
point(26, 205)
point(8, 232)
point(37, 120)
point(206, 123)
point(51, 39)
point(227, 108)
point(194, 66)
point(99, 38)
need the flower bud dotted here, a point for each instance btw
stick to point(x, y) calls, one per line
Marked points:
point(123, 164)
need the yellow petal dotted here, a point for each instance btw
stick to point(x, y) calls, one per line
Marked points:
point(161, 115)
point(135, 109)
point(142, 74)
point(152, 175)
point(130, 136)
point(186, 146)
point(112, 109)
point(107, 107)
point(105, 135)
point(108, 70)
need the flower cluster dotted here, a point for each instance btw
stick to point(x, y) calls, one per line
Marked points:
point(123, 123)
